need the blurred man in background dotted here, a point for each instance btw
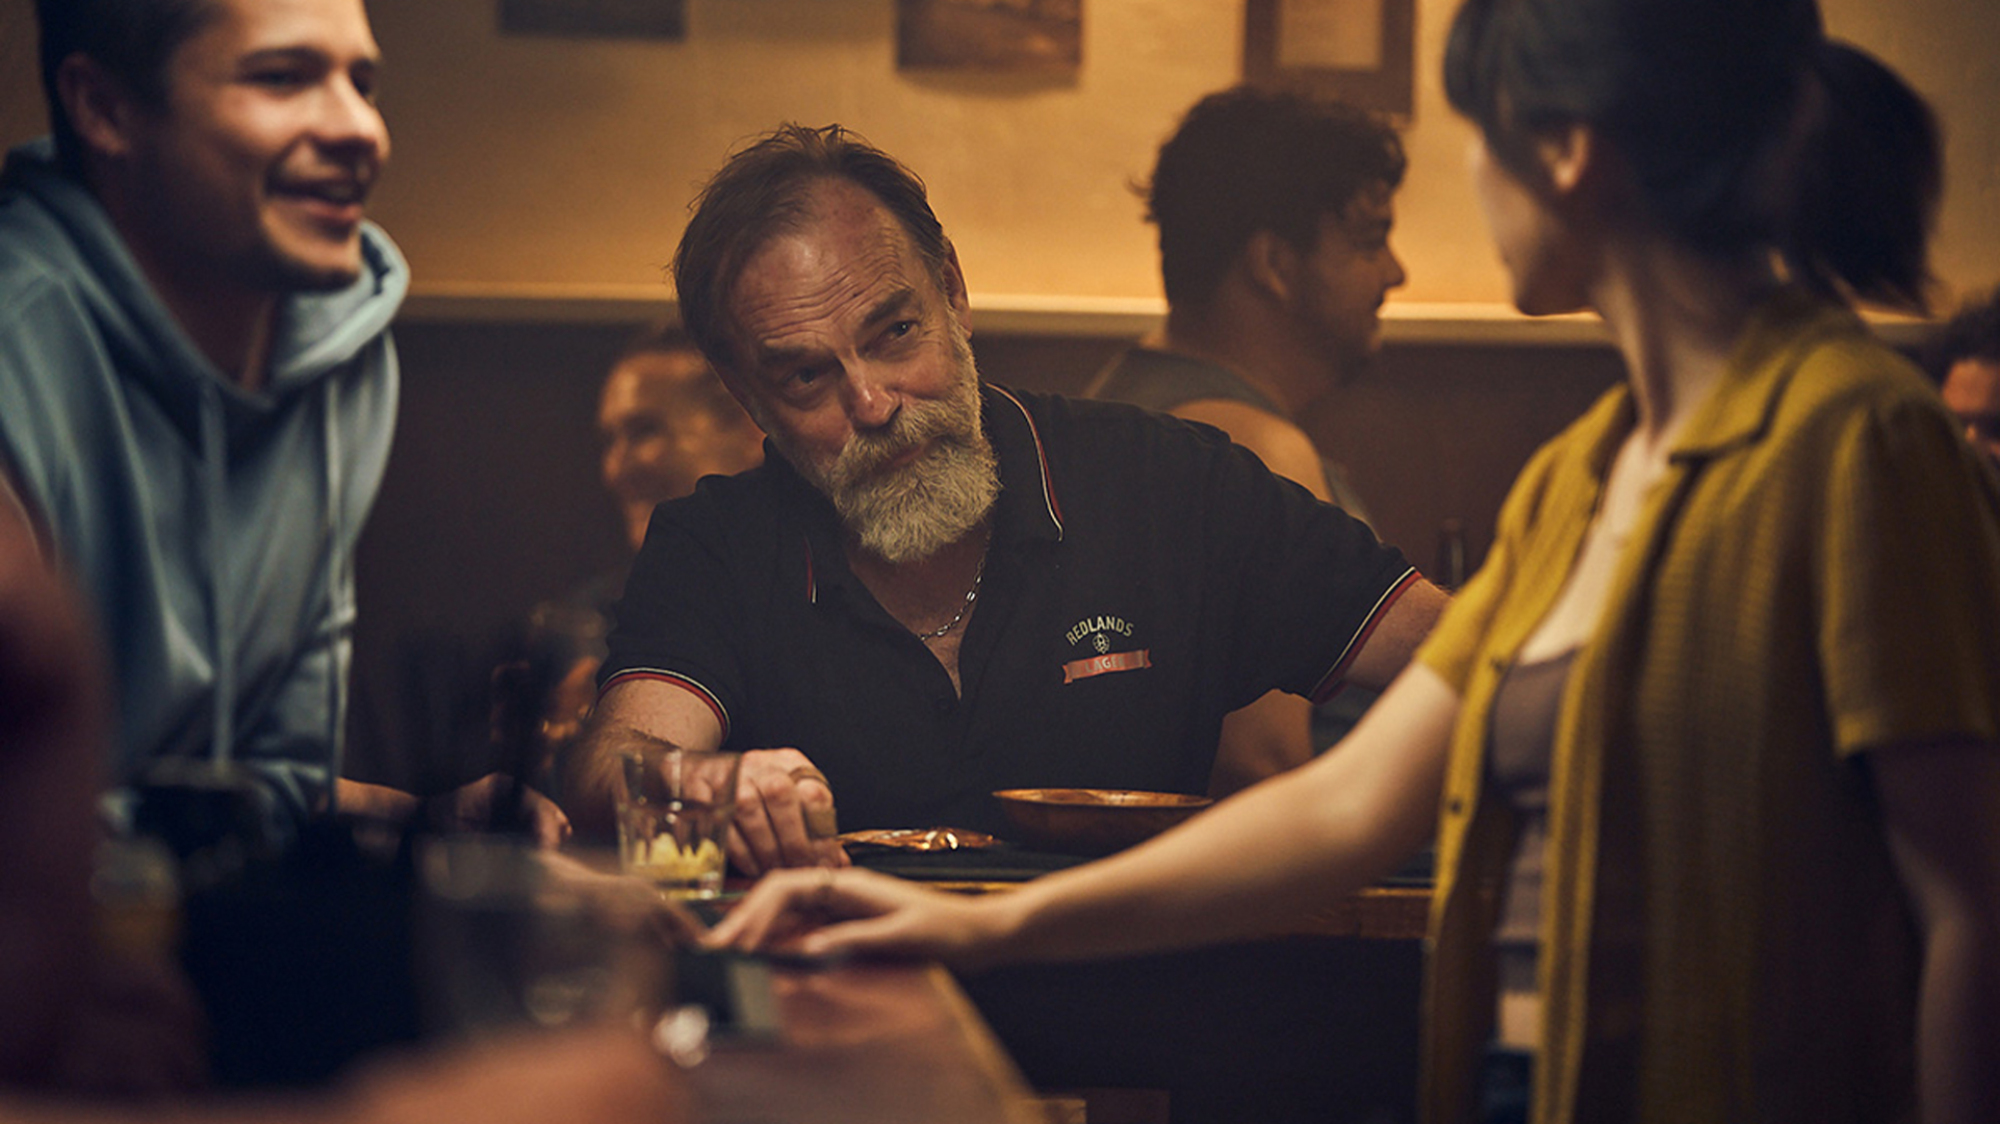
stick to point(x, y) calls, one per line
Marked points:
point(1274, 211)
point(667, 421)
point(1964, 359)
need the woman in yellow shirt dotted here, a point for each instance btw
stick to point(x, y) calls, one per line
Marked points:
point(1709, 743)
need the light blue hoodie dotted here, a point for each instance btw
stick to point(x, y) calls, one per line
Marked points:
point(213, 529)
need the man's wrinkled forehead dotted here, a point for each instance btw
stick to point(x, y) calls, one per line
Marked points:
point(842, 254)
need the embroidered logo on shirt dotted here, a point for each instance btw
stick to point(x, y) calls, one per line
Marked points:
point(1097, 626)
point(1102, 632)
point(1103, 665)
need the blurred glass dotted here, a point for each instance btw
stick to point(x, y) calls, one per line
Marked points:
point(509, 935)
point(674, 808)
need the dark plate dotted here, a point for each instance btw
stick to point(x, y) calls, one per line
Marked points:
point(1002, 862)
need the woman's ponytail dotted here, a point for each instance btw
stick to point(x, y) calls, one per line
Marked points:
point(1868, 181)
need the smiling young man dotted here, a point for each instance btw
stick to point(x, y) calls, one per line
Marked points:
point(1274, 211)
point(940, 588)
point(197, 386)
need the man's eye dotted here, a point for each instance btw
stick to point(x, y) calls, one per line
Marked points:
point(898, 331)
point(278, 79)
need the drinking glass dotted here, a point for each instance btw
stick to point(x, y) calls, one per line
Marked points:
point(511, 936)
point(674, 808)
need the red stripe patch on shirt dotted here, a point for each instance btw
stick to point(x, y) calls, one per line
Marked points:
point(678, 680)
point(1104, 665)
point(1330, 684)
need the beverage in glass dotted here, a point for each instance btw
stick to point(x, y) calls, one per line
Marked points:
point(674, 808)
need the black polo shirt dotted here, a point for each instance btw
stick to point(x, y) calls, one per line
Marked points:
point(1146, 577)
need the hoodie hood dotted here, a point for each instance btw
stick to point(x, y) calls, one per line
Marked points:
point(317, 333)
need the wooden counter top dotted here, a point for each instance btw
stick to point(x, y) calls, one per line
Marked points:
point(866, 1043)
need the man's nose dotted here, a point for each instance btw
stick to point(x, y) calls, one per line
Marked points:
point(872, 398)
point(615, 463)
point(1396, 276)
point(350, 120)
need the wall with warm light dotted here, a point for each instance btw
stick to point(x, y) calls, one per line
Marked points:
point(525, 163)
point(531, 161)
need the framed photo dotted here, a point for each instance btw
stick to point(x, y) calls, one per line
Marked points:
point(1360, 51)
point(612, 19)
point(1016, 36)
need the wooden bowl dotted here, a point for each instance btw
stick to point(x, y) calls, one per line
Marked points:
point(1092, 821)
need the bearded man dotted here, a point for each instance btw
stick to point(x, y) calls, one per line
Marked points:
point(933, 589)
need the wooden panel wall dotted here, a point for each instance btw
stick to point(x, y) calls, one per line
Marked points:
point(492, 502)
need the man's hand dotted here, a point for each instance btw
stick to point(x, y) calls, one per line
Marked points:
point(633, 715)
point(784, 814)
point(472, 807)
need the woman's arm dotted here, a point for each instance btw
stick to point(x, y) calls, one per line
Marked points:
point(1941, 811)
point(1271, 854)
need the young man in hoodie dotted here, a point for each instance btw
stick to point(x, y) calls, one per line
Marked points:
point(197, 385)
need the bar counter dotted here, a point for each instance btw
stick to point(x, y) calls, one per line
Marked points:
point(875, 1043)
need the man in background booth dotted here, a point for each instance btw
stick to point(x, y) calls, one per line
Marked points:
point(197, 386)
point(1274, 211)
point(1964, 358)
point(936, 588)
point(666, 421)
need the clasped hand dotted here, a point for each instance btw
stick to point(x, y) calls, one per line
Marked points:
point(784, 814)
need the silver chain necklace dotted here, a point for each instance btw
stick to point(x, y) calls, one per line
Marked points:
point(971, 595)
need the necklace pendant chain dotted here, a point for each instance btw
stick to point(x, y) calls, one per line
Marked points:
point(971, 595)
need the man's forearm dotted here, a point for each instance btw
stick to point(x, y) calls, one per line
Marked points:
point(1398, 635)
point(590, 773)
point(1261, 740)
point(373, 801)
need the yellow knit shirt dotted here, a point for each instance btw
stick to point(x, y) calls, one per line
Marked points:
point(1817, 576)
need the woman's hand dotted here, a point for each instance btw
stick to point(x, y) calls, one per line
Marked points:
point(825, 913)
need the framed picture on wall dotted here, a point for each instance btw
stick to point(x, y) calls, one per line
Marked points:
point(1360, 51)
point(1019, 36)
point(617, 19)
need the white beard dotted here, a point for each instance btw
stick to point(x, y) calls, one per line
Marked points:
point(918, 510)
